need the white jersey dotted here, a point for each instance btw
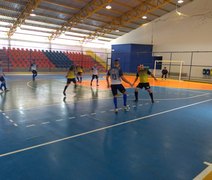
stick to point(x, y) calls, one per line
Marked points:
point(115, 75)
point(95, 70)
point(34, 67)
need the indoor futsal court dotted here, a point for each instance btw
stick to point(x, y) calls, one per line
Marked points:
point(105, 90)
point(80, 137)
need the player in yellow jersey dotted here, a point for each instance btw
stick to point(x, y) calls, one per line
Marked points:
point(79, 73)
point(70, 78)
point(143, 73)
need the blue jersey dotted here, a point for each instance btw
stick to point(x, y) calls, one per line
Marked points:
point(115, 75)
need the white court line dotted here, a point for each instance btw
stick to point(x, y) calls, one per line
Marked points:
point(205, 172)
point(100, 129)
point(59, 120)
point(170, 99)
point(207, 163)
point(29, 85)
point(47, 122)
point(83, 115)
point(72, 117)
point(31, 125)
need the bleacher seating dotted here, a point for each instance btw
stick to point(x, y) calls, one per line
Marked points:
point(20, 58)
point(85, 61)
point(59, 59)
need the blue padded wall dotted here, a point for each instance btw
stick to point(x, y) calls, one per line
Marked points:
point(131, 55)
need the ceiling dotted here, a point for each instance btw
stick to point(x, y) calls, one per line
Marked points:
point(80, 20)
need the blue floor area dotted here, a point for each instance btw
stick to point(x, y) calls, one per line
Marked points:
point(44, 136)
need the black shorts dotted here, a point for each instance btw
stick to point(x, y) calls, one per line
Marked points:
point(116, 87)
point(145, 85)
point(2, 79)
point(34, 72)
point(95, 76)
point(79, 73)
point(71, 80)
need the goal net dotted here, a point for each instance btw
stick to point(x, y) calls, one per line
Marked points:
point(174, 67)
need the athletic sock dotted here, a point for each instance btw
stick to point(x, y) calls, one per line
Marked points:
point(125, 99)
point(115, 102)
point(65, 88)
point(151, 95)
point(136, 95)
point(3, 85)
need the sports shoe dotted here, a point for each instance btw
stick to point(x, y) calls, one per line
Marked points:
point(136, 100)
point(116, 110)
point(64, 93)
point(126, 108)
point(153, 101)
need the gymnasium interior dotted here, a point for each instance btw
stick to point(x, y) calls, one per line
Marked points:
point(48, 135)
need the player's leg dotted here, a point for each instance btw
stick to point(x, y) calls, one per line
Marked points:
point(67, 84)
point(75, 82)
point(36, 73)
point(33, 75)
point(148, 88)
point(97, 80)
point(3, 84)
point(92, 80)
point(122, 89)
point(136, 91)
point(80, 77)
point(115, 93)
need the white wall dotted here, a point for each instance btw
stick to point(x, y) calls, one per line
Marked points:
point(191, 31)
point(172, 32)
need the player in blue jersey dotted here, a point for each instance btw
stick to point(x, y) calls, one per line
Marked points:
point(2, 80)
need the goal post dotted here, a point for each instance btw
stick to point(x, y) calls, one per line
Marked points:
point(173, 66)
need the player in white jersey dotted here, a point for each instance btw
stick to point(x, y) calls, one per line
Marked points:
point(34, 71)
point(95, 73)
point(116, 75)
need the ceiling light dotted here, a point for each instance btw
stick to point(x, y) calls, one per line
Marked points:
point(32, 14)
point(180, 1)
point(144, 17)
point(108, 6)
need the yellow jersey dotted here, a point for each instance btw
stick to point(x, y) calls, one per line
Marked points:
point(70, 74)
point(143, 75)
point(79, 69)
